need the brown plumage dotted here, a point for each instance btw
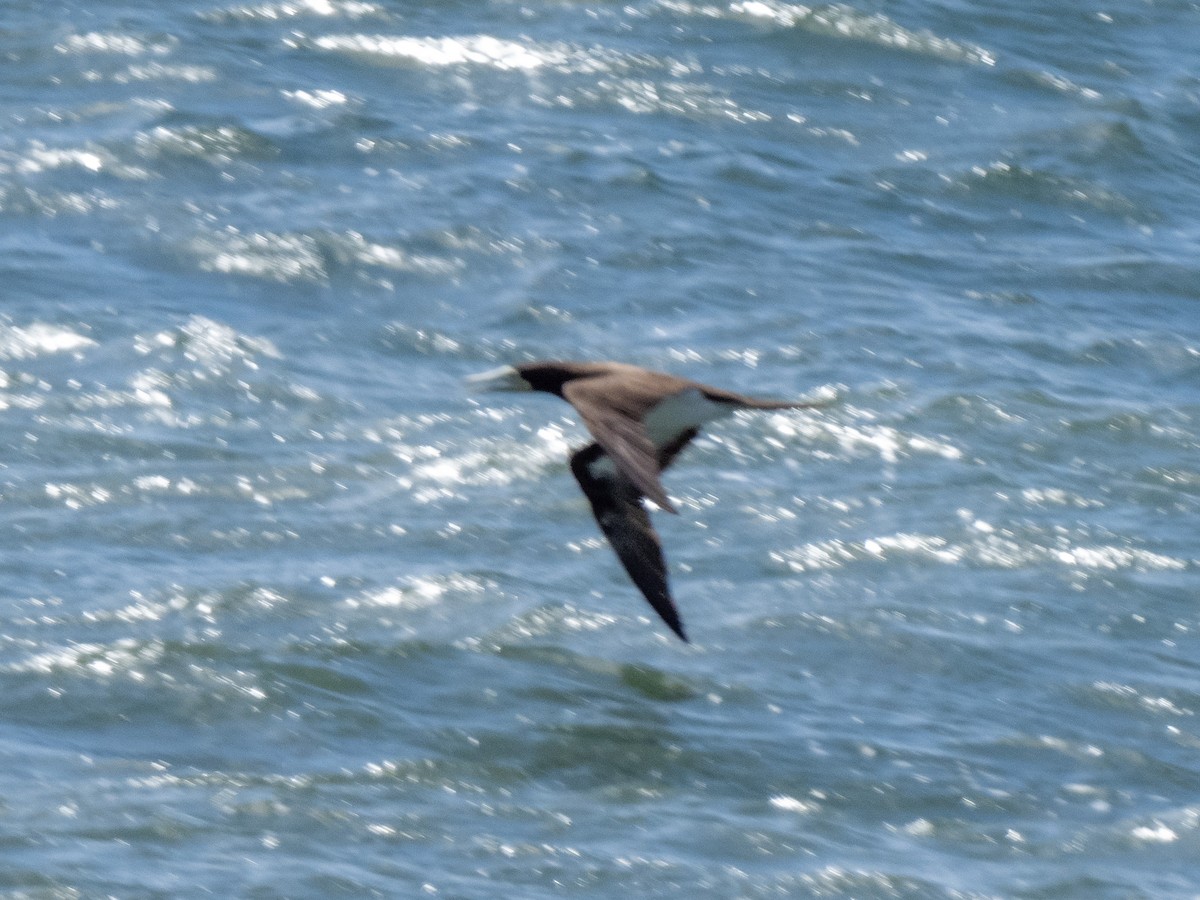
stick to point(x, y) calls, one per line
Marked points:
point(640, 421)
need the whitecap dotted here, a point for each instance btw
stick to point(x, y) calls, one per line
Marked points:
point(17, 342)
point(1150, 702)
point(794, 804)
point(986, 546)
point(124, 656)
point(353, 247)
point(273, 256)
point(158, 71)
point(290, 9)
point(320, 98)
point(842, 21)
point(208, 341)
point(855, 438)
point(672, 97)
point(114, 43)
point(1156, 833)
point(39, 158)
point(482, 50)
point(421, 592)
point(486, 462)
point(77, 496)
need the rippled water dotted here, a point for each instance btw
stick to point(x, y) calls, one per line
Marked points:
point(288, 613)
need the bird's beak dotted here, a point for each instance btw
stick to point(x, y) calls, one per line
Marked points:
point(505, 378)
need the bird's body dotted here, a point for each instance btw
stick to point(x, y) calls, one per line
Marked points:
point(640, 421)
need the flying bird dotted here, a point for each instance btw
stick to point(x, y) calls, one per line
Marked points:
point(640, 420)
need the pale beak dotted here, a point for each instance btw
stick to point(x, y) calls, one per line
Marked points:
point(505, 378)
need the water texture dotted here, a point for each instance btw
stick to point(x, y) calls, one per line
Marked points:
point(286, 612)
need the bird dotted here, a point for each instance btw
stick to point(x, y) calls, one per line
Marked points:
point(640, 420)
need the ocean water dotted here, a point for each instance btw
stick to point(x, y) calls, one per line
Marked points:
point(286, 612)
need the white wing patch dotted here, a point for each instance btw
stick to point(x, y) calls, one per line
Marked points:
point(679, 412)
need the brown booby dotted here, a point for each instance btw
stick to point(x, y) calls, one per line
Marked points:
point(640, 421)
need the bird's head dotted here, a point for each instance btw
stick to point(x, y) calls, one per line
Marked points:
point(548, 376)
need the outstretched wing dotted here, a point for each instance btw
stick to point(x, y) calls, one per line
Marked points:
point(617, 505)
point(625, 440)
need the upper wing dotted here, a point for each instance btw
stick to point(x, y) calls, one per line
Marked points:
point(616, 504)
point(624, 439)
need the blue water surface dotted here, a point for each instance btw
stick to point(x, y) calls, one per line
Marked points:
point(287, 612)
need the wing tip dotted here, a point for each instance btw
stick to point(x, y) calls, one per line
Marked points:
point(670, 616)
